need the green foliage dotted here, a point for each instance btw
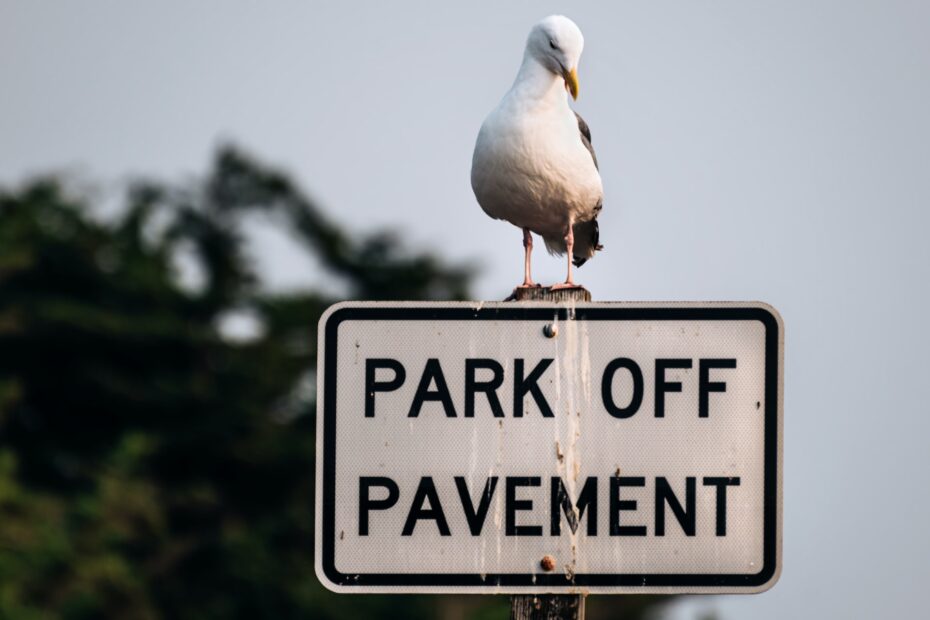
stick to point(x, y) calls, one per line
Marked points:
point(150, 468)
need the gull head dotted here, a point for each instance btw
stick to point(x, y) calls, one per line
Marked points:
point(556, 43)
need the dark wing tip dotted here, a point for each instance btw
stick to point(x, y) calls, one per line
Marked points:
point(595, 238)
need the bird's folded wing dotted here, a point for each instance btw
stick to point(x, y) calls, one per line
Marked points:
point(586, 137)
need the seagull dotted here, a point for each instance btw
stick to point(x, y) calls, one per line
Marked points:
point(533, 164)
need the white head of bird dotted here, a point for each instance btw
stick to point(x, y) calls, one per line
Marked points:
point(556, 43)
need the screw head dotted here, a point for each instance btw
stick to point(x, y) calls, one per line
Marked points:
point(547, 563)
point(551, 330)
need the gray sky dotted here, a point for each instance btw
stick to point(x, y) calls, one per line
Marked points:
point(776, 151)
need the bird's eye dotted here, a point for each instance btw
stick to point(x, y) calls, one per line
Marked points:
point(553, 45)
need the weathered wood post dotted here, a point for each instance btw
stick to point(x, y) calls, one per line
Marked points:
point(548, 606)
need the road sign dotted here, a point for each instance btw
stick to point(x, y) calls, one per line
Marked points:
point(530, 447)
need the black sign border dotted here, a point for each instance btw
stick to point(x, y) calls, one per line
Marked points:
point(546, 313)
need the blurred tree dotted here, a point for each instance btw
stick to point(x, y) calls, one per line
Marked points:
point(149, 466)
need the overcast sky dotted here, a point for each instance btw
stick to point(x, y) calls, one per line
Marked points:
point(776, 151)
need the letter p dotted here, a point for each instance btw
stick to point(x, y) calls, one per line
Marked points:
point(366, 504)
point(372, 384)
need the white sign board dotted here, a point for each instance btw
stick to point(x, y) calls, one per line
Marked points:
point(529, 447)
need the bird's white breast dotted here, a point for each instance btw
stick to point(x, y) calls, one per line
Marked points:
point(531, 168)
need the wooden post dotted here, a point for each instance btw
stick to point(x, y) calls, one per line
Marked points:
point(548, 606)
point(539, 293)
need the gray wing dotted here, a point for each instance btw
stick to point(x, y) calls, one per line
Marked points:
point(587, 234)
point(586, 137)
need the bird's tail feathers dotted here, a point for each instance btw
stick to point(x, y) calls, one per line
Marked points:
point(555, 245)
point(587, 242)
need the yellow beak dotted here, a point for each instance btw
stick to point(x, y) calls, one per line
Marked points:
point(571, 82)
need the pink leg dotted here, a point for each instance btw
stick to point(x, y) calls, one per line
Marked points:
point(528, 250)
point(569, 245)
